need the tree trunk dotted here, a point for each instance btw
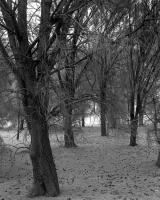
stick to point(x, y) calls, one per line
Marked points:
point(133, 121)
point(141, 113)
point(134, 126)
point(18, 128)
point(141, 118)
point(112, 120)
point(83, 121)
point(103, 113)
point(44, 170)
point(68, 107)
point(45, 180)
point(158, 160)
point(68, 132)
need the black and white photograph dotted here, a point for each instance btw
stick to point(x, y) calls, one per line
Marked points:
point(80, 99)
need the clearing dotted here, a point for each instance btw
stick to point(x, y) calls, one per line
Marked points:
point(100, 168)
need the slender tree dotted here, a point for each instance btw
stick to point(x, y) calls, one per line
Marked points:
point(105, 59)
point(75, 60)
point(143, 62)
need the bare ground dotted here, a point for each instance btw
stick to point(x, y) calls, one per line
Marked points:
point(100, 169)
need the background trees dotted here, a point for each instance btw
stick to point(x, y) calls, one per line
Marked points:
point(75, 60)
point(106, 55)
point(143, 63)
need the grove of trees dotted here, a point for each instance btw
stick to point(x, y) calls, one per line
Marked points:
point(59, 57)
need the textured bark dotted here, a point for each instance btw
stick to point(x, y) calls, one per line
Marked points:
point(134, 126)
point(68, 132)
point(103, 112)
point(70, 92)
point(103, 122)
point(44, 170)
point(35, 98)
point(112, 121)
point(141, 116)
point(141, 113)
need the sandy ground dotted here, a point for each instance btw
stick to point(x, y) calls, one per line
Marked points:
point(99, 169)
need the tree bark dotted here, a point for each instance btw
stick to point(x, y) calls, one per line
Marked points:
point(133, 121)
point(35, 98)
point(21, 126)
point(141, 118)
point(141, 114)
point(83, 121)
point(44, 170)
point(68, 132)
point(69, 91)
point(103, 112)
point(112, 120)
point(134, 126)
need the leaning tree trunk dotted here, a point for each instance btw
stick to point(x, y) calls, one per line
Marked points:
point(44, 170)
point(103, 112)
point(68, 132)
point(32, 71)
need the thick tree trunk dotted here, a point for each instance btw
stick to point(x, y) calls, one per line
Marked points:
point(44, 170)
point(45, 179)
point(103, 113)
point(68, 132)
point(134, 126)
point(32, 73)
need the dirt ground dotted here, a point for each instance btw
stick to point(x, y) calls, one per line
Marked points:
point(100, 168)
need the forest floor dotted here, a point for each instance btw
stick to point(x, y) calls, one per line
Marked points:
point(100, 168)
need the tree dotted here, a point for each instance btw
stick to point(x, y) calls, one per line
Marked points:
point(104, 60)
point(74, 58)
point(68, 82)
point(153, 114)
point(106, 49)
point(143, 59)
point(8, 94)
point(33, 60)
